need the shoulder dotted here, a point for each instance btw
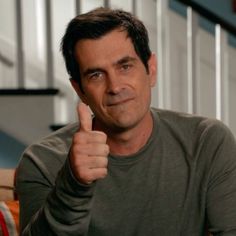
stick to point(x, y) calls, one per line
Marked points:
point(61, 139)
point(189, 123)
point(48, 154)
point(192, 130)
point(58, 141)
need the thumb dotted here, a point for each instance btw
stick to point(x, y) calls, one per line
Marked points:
point(84, 116)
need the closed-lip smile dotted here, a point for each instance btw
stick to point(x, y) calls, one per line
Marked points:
point(118, 102)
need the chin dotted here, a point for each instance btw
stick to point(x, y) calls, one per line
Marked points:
point(124, 122)
point(122, 119)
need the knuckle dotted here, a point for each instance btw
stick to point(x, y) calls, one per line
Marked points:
point(77, 137)
point(104, 136)
point(100, 135)
point(106, 149)
point(104, 162)
point(84, 175)
point(101, 162)
point(78, 160)
point(104, 172)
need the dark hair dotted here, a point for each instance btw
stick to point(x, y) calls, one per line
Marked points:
point(95, 24)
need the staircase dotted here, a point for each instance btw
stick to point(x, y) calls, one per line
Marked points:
point(196, 64)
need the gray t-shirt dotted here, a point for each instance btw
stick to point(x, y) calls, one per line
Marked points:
point(182, 182)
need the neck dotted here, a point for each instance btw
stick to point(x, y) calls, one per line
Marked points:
point(130, 141)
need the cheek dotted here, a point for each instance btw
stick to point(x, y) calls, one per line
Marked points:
point(145, 90)
point(94, 96)
point(143, 84)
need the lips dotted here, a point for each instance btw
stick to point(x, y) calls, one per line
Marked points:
point(119, 102)
point(122, 97)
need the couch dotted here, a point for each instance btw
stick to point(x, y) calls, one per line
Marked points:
point(9, 205)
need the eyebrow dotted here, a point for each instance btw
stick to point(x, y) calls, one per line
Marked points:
point(125, 60)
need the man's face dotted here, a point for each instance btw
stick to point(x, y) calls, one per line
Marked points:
point(115, 82)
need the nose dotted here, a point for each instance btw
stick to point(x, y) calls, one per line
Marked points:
point(114, 84)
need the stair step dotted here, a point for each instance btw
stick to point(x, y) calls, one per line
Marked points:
point(28, 92)
point(55, 127)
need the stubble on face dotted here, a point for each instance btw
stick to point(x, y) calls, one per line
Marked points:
point(124, 109)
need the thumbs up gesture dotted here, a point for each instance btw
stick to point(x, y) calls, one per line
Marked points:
point(89, 151)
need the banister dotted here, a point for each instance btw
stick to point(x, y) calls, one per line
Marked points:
point(6, 60)
point(209, 15)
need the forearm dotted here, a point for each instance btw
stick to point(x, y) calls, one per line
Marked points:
point(65, 210)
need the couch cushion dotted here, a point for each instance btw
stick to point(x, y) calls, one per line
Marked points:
point(9, 218)
point(7, 177)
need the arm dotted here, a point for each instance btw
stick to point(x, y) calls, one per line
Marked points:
point(62, 209)
point(56, 198)
point(221, 194)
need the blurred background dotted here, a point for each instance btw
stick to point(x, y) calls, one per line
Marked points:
point(195, 43)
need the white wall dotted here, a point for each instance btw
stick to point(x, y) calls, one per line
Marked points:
point(7, 31)
point(7, 42)
point(26, 118)
point(175, 91)
point(206, 88)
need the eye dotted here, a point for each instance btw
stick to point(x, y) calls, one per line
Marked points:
point(96, 75)
point(126, 67)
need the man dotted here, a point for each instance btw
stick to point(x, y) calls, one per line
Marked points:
point(130, 169)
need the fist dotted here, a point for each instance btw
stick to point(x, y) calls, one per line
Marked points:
point(89, 151)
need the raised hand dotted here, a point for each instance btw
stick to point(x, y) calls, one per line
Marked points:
point(89, 151)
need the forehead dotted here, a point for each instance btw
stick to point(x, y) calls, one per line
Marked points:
point(110, 47)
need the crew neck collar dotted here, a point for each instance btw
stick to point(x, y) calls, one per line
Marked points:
point(130, 159)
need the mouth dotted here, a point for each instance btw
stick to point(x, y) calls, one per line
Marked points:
point(119, 102)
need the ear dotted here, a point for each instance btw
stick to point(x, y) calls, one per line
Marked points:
point(78, 90)
point(152, 65)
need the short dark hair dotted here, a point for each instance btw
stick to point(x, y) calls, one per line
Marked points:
point(97, 23)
